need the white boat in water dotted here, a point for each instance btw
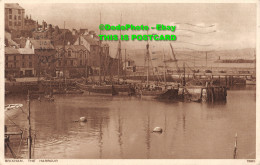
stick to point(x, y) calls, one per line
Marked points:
point(12, 106)
point(12, 110)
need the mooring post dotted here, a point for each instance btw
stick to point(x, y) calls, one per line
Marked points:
point(29, 126)
point(212, 94)
point(226, 80)
point(235, 147)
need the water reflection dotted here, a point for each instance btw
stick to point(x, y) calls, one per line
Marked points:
point(120, 133)
point(121, 127)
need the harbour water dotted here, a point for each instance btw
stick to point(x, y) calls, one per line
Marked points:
point(121, 127)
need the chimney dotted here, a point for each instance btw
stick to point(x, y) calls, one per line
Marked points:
point(43, 26)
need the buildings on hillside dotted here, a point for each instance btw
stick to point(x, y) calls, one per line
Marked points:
point(48, 50)
point(14, 16)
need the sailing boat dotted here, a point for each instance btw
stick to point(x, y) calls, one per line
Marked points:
point(157, 91)
point(111, 89)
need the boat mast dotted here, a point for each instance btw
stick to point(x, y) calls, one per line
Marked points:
point(119, 53)
point(100, 54)
point(148, 59)
point(164, 75)
point(63, 57)
point(125, 64)
point(184, 80)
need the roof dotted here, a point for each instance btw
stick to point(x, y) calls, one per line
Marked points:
point(73, 47)
point(10, 41)
point(25, 51)
point(90, 40)
point(13, 6)
point(64, 30)
point(11, 50)
point(42, 44)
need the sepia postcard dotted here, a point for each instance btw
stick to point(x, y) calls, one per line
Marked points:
point(129, 82)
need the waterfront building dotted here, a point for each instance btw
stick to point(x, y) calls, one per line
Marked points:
point(19, 62)
point(44, 56)
point(92, 46)
point(74, 61)
point(27, 62)
point(12, 62)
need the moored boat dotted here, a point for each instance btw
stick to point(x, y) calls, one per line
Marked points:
point(250, 82)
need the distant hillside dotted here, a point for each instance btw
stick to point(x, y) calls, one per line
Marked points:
point(157, 57)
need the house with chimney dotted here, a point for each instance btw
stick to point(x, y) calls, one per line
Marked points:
point(44, 56)
point(91, 43)
point(72, 61)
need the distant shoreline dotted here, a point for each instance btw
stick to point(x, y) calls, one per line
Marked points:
point(235, 61)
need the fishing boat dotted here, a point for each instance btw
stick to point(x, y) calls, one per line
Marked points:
point(68, 91)
point(104, 88)
point(115, 89)
point(161, 93)
point(158, 91)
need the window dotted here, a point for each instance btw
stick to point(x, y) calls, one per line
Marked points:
point(15, 17)
point(71, 62)
point(19, 11)
point(6, 64)
point(30, 64)
point(10, 16)
point(10, 23)
point(23, 56)
point(6, 57)
point(23, 65)
point(14, 57)
point(10, 11)
point(19, 17)
point(69, 53)
point(80, 62)
point(15, 64)
point(30, 57)
point(80, 54)
point(59, 63)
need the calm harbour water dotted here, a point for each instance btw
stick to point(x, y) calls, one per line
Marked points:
point(120, 127)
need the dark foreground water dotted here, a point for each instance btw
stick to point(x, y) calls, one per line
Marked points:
point(120, 127)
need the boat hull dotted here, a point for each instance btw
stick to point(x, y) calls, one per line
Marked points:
point(107, 89)
point(167, 94)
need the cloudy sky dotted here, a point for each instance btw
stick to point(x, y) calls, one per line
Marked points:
point(199, 26)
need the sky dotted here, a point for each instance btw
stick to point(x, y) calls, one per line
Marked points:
point(202, 27)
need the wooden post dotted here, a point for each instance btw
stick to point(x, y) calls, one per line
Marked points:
point(29, 127)
point(212, 94)
point(235, 147)
point(125, 64)
point(201, 91)
point(226, 80)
